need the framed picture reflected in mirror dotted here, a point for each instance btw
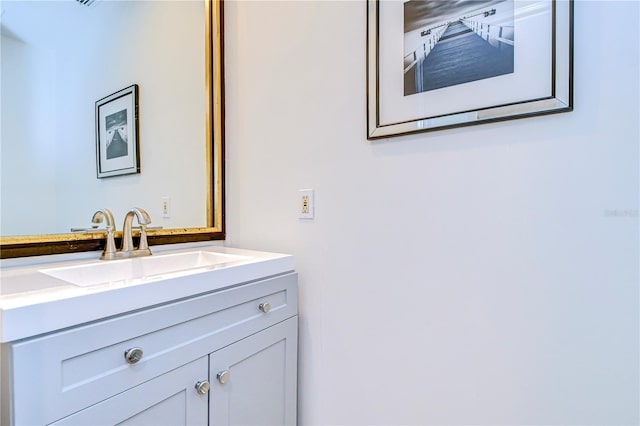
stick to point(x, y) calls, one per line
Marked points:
point(117, 144)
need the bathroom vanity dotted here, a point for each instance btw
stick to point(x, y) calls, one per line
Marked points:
point(199, 335)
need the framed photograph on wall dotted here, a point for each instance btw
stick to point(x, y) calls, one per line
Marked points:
point(434, 64)
point(117, 149)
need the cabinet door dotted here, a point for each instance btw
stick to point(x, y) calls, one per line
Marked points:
point(253, 381)
point(169, 399)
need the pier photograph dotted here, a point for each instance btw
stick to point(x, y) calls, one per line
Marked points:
point(117, 134)
point(447, 43)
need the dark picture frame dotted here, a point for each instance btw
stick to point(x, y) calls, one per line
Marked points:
point(117, 144)
point(402, 38)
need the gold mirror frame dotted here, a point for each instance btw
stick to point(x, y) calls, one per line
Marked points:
point(35, 245)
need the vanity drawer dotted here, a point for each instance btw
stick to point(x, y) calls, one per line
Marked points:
point(66, 371)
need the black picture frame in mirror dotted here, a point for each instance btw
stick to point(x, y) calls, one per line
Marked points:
point(117, 133)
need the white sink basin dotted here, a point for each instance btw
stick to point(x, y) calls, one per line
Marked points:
point(142, 268)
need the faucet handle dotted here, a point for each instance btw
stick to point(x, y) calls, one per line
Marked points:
point(143, 239)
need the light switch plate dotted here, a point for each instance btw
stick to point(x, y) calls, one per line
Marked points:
point(305, 204)
point(166, 207)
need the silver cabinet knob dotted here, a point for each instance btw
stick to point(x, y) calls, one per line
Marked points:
point(265, 307)
point(223, 376)
point(202, 387)
point(133, 355)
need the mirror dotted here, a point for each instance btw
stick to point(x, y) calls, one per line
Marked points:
point(58, 59)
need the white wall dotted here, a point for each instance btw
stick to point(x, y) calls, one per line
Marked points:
point(469, 276)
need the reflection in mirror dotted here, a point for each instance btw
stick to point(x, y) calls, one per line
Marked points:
point(60, 57)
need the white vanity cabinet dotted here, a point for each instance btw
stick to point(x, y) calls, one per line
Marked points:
point(220, 358)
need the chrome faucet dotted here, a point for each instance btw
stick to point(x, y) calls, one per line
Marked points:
point(127, 249)
point(110, 245)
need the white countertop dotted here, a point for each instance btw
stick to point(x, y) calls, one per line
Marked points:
point(33, 303)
